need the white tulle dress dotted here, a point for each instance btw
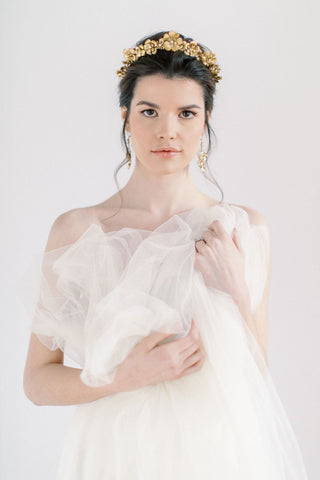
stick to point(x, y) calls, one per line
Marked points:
point(102, 294)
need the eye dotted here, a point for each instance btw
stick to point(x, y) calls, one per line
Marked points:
point(148, 110)
point(184, 111)
point(189, 111)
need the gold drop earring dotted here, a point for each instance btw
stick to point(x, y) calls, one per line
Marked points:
point(128, 156)
point(202, 157)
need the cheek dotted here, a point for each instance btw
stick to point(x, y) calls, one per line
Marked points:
point(139, 138)
point(192, 140)
point(193, 132)
point(141, 132)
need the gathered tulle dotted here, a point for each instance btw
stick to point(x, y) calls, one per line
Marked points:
point(98, 297)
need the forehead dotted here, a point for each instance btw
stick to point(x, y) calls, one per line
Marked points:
point(153, 87)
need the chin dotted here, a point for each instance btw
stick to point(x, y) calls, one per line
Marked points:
point(169, 165)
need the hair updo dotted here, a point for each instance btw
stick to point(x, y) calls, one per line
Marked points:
point(170, 64)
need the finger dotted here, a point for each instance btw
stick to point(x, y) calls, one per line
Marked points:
point(194, 329)
point(209, 236)
point(152, 340)
point(200, 245)
point(236, 240)
point(192, 359)
point(195, 362)
point(195, 368)
point(212, 230)
point(218, 228)
point(192, 337)
point(186, 352)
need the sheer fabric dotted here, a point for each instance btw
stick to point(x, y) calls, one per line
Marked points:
point(102, 294)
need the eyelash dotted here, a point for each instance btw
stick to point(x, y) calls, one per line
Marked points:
point(185, 118)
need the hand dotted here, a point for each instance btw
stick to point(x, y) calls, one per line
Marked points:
point(221, 260)
point(149, 363)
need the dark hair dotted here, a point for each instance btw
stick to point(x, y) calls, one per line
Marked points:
point(170, 64)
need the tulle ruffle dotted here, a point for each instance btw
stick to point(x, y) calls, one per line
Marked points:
point(101, 295)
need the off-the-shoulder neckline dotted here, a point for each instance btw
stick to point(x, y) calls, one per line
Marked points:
point(178, 214)
point(136, 229)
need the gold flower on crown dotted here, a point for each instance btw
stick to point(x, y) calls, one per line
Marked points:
point(170, 41)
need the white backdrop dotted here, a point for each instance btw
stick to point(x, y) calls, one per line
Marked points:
point(60, 142)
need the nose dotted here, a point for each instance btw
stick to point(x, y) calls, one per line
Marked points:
point(167, 127)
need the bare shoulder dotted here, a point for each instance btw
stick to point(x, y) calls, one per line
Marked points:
point(68, 227)
point(255, 217)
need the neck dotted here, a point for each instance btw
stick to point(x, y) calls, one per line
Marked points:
point(162, 195)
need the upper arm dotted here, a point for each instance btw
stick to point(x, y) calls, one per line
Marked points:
point(260, 315)
point(64, 231)
point(66, 228)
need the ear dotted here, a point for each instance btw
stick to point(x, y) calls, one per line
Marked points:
point(204, 130)
point(123, 116)
point(204, 124)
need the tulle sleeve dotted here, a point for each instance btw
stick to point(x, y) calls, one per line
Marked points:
point(257, 251)
point(92, 300)
point(56, 305)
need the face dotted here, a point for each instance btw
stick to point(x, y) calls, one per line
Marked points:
point(166, 113)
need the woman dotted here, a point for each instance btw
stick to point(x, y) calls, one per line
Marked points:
point(160, 294)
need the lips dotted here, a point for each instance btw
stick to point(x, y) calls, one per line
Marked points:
point(170, 149)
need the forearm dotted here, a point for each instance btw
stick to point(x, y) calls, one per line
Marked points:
point(243, 303)
point(57, 384)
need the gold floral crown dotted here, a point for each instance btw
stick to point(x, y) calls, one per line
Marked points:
point(170, 41)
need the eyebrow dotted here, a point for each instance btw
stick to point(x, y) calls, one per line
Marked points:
point(150, 104)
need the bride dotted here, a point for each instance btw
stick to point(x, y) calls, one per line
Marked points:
point(112, 294)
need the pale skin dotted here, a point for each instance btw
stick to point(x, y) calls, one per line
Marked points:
point(157, 189)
